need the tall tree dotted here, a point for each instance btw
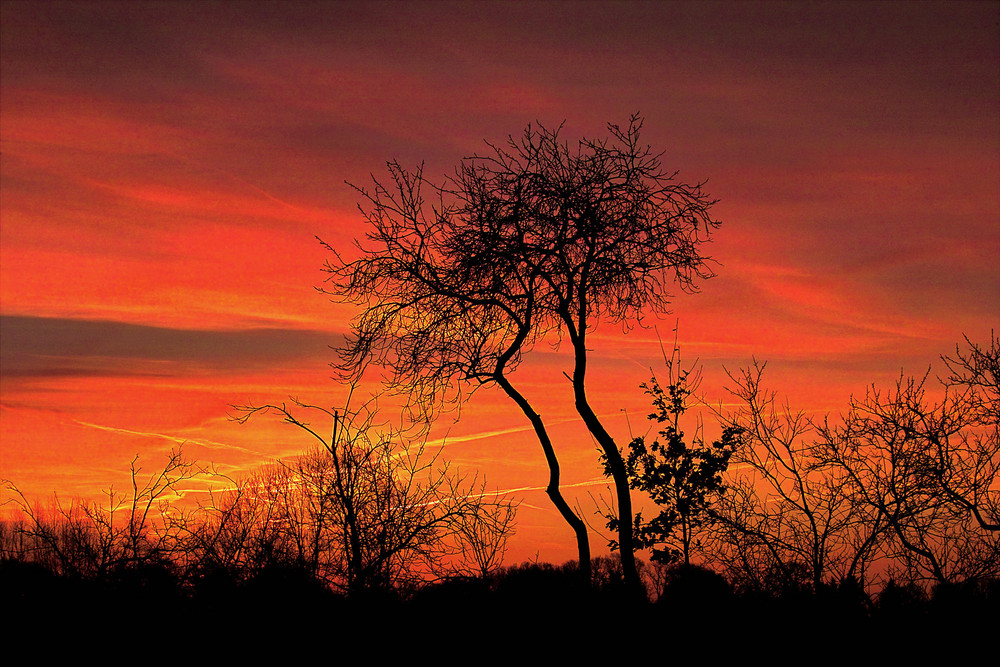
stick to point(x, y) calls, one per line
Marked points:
point(530, 239)
point(435, 318)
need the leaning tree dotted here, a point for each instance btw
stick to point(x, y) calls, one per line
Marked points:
point(528, 240)
point(434, 318)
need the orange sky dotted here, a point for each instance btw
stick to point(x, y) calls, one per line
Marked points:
point(165, 168)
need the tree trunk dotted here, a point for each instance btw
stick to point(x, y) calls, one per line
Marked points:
point(552, 490)
point(616, 465)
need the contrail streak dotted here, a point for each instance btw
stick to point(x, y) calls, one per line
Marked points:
point(211, 444)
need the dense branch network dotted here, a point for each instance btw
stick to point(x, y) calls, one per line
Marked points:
point(528, 240)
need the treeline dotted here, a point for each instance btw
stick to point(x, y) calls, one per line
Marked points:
point(371, 511)
point(531, 599)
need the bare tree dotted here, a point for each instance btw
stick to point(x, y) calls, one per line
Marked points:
point(788, 517)
point(899, 479)
point(90, 539)
point(525, 241)
point(240, 530)
point(966, 467)
point(929, 470)
point(440, 326)
point(483, 540)
point(374, 510)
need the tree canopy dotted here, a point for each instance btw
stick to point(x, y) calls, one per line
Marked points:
point(530, 239)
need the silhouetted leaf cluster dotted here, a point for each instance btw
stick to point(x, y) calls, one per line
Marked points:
point(681, 479)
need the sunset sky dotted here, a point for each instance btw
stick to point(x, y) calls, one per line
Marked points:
point(166, 168)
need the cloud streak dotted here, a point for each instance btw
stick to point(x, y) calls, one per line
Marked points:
point(180, 440)
point(47, 346)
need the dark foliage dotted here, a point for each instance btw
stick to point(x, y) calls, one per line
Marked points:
point(681, 479)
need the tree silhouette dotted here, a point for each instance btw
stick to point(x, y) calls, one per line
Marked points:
point(373, 510)
point(528, 240)
point(439, 325)
point(683, 480)
point(239, 532)
point(928, 470)
point(967, 467)
point(900, 478)
point(787, 519)
point(132, 529)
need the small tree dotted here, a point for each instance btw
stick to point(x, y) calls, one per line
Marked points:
point(373, 510)
point(483, 540)
point(239, 531)
point(682, 480)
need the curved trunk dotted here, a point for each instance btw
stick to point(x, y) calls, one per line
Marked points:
point(616, 464)
point(623, 496)
point(552, 490)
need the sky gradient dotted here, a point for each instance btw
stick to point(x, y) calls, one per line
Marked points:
point(166, 168)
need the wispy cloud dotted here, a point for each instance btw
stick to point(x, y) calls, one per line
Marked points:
point(484, 435)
